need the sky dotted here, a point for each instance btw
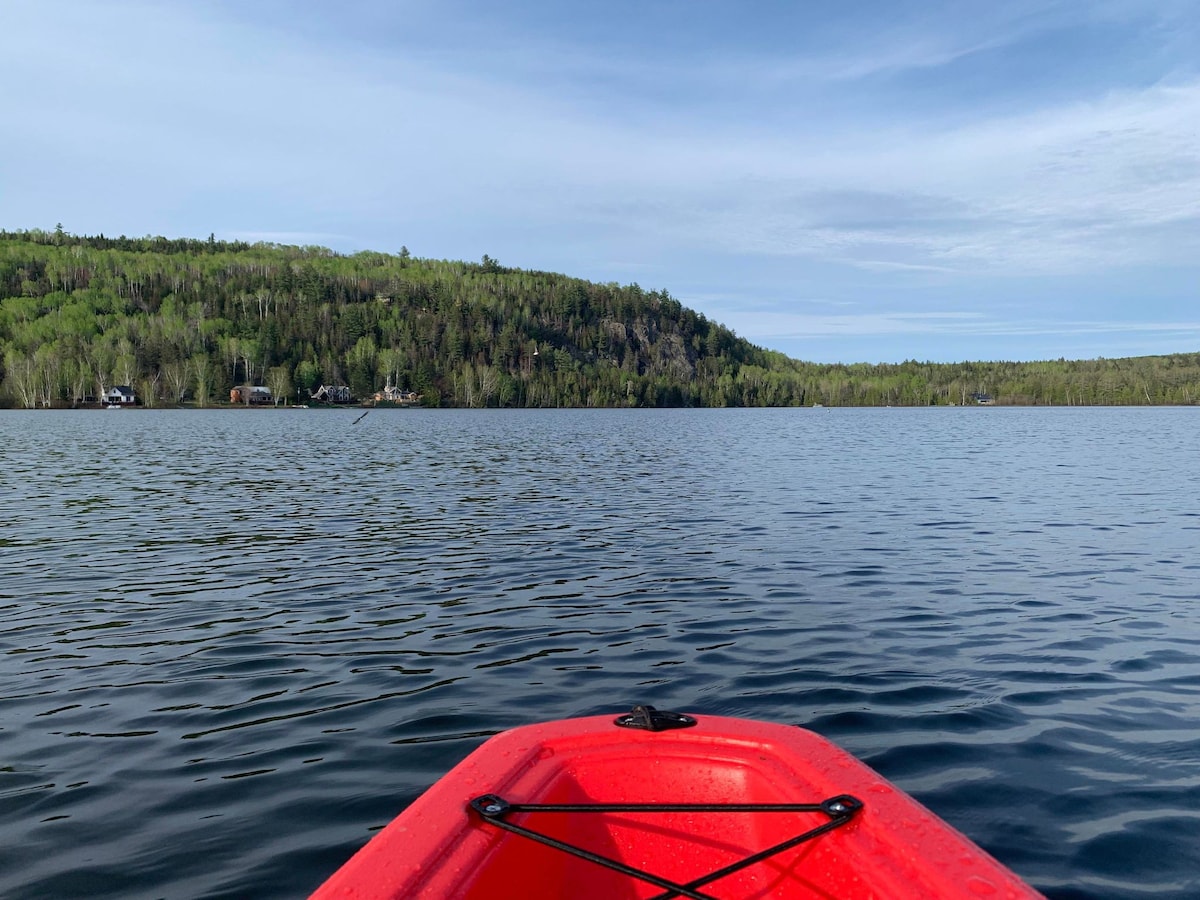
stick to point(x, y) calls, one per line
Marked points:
point(843, 181)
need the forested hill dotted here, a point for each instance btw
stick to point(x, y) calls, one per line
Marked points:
point(183, 321)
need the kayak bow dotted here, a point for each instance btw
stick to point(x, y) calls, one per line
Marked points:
point(660, 805)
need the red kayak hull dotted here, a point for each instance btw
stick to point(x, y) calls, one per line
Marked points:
point(893, 848)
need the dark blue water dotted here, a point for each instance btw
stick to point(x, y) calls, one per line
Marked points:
point(233, 643)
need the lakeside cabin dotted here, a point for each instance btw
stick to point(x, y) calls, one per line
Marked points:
point(121, 395)
point(394, 396)
point(332, 393)
point(251, 395)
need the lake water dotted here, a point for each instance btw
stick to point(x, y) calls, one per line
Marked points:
point(233, 643)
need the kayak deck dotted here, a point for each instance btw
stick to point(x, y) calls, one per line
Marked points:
point(888, 847)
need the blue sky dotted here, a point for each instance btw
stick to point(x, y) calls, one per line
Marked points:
point(841, 181)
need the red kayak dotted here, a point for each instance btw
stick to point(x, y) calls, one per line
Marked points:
point(658, 805)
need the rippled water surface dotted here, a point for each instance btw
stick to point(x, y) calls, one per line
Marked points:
point(233, 643)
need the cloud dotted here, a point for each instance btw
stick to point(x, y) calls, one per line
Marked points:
point(1054, 190)
point(954, 335)
point(1114, 180)
point(882, 266)
point(829, 153)
point(786, 324)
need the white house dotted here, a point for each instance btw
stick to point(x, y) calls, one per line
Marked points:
point(121, 395)
point(332, 393)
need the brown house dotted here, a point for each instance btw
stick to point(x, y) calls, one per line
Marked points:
point(250, 394)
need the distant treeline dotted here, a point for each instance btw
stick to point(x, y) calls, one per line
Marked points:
point(184, 321)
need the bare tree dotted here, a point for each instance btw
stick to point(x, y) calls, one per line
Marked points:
point(263, 296)
point(20, 378)
point(47, 369)
point(489, 379)
point(249, 355)
point(148, 388)
point(79, 375)
point(279, 380)
point(176, 376)
point(202, 373)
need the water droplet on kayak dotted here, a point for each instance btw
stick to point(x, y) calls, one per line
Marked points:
point(980, 886)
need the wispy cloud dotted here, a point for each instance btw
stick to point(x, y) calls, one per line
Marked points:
point(784, 324)
point(882, 266)
point(1056, 190)
point(757, 325)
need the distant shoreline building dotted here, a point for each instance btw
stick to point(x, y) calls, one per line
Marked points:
point(251, 395)
point(121, 395)
point(394, 396)
point(332, 393)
